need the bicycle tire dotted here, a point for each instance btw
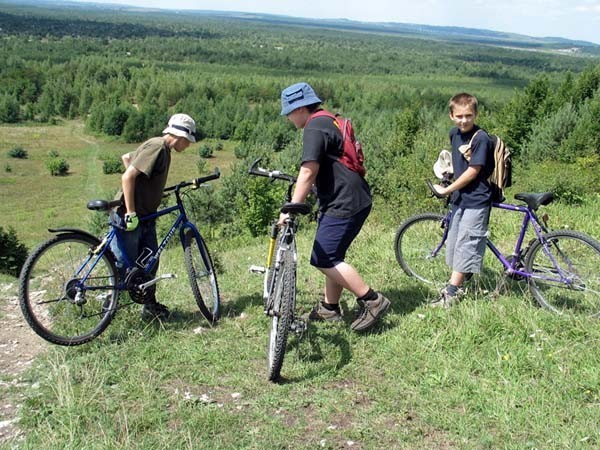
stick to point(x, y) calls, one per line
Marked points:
point(202, 276)
point(48, 285)
point(578, 256)
point(416, 240)
point(283, 300)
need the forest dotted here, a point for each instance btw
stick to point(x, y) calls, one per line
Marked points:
point(82, 84)
point(123, 73)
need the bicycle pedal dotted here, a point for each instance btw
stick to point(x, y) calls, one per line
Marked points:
point(298, 326)
point(257, 269)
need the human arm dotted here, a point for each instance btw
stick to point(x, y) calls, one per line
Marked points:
point(304, 183)
point(126, 158)
point(128, 186)
point(467, 177)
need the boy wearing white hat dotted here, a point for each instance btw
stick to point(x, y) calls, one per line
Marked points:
point(142, 185)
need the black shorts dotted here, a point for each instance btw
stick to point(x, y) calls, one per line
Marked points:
point(334, 236)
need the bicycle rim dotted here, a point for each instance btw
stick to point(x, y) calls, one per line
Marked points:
point(418, 250)
point(282, 299)
point(565, 279)
point(62, 302)
point(202, 276)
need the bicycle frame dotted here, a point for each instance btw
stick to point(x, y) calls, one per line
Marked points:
point(512, 264)
point(147, 261)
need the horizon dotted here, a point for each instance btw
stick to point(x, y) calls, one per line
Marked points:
point(578, 21)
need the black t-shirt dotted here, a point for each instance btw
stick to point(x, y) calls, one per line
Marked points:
point(341, 191)
point(478, 193)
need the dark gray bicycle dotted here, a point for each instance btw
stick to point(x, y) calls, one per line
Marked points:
point(279, 289)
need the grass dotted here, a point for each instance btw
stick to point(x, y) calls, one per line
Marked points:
point(489, 373)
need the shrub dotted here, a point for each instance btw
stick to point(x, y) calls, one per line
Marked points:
point(201, 165)
point(205, 151)
point(112, 165)
point(18, 152)
point(7, 168)
point(219, 146)
point(240, 152)
point(12, 252)
point(53, 154)
point(57, 167)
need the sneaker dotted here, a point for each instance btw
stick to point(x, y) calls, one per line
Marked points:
point(370, 311)
point(446, 300)
point(320, 313)
point(155, 310)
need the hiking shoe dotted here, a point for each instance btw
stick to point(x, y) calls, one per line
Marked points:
point(445, 300)
point(320, 313)
point(370, 311)
point(155, 310)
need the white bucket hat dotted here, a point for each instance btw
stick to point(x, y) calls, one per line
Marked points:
point(443, 165)
point(182, 125)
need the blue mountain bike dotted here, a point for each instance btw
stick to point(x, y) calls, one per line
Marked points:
point(69, 285)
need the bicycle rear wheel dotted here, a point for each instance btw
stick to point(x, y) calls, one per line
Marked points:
point(282, 300)
point(202, 275)
point(67, 294)
point(565, 279)
point(420, 248)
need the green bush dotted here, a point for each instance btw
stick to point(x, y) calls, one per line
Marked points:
point(12, 252)
point(112, 165)
point(7, 168)
point(205, 151)
point(201, 165)
point(18, 152)
point(53, 154)
point(57, 167)
point(240, 152)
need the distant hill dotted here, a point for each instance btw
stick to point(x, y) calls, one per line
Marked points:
point(442, 33)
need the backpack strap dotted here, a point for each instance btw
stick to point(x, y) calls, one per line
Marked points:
point(473, 137)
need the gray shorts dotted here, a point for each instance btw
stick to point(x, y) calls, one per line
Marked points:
point(467, 236)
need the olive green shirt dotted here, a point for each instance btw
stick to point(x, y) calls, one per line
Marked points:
point(152, 159)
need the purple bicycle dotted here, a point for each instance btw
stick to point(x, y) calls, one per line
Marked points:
point(561, 268)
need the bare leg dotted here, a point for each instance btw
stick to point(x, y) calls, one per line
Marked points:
point(344, 276)
point(457, 278)
point(333, 291)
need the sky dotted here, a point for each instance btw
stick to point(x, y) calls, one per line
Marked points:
point(572, 19)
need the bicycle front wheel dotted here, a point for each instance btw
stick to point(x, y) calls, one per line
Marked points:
point(202, 275)
point(282, 300)
point(564, 275)
point(68, 294)
point(420, 248)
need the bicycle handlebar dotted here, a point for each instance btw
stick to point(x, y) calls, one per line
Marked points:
point(273, 174)
point(433, 191)
point(196, 182)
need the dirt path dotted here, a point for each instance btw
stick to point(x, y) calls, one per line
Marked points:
point(19, 345)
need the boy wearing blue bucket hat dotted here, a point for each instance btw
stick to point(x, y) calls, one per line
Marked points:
point(344, 204)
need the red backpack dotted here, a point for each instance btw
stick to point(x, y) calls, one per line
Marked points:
point(352, 157)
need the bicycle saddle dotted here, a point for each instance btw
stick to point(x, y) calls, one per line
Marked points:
point(534, 201)
point(103, 205)
point(295, 208)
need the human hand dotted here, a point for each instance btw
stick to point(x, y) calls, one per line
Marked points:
point(282, 218)
point(131, 221)
point(440, 189)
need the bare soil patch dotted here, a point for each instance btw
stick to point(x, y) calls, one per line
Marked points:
point(19, 346)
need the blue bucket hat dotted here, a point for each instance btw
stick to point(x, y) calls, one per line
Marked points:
point(296, 96)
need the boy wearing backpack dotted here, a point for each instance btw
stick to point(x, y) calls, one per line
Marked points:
point(344, 204)
point(471, 196)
